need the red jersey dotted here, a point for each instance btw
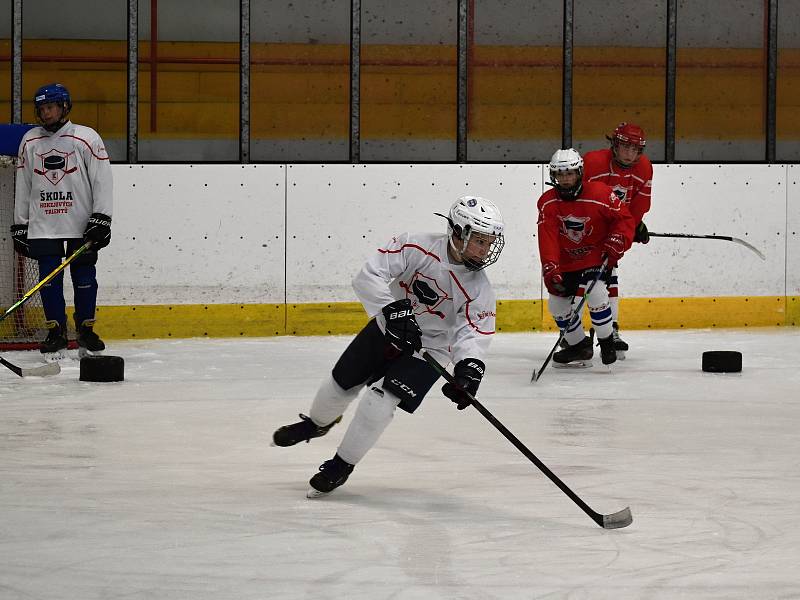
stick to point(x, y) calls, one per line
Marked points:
point(572, 232)
point(631, 184)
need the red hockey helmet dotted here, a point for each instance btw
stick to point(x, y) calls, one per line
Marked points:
point(630, 137)
point(628, 133)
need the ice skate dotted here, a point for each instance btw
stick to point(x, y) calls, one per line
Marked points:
point(332, 474)
point(89, 343)
point(607, 352)
point(619, 344)
point(54, 347)
point(303, 431)
point(576, 356)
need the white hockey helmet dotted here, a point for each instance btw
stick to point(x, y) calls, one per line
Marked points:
point(473, 214)
point(564, 161)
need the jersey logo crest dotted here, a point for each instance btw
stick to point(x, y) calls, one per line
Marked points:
point(55, 165)
point(620, 192)
point(575, 228)
point(427, 295)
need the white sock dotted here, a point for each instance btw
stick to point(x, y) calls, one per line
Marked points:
point(614, 301)
point(331, 401)
point(373, 414)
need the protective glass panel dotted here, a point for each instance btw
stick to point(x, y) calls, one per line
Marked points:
point(299, 80)
point(514, 80)
point(408, 80)
point(91, 61)
point(720, 104)
point(619, 72)
point(189, 82)
point(788, 84)
point(5, 62)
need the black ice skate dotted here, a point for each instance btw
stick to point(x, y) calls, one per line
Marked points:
point(55, 344)
point(578, 355)
point(89, 343)
point(607, 352)
point(619, 344)
point(303, 431)
point(332, 474)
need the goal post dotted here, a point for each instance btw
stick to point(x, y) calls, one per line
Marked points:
point(22, 329)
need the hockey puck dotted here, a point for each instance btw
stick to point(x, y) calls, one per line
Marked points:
point(722, 361)
point(102, 368)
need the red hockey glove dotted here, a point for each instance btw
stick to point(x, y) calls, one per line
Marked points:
point(614, 247)
point(553, 280)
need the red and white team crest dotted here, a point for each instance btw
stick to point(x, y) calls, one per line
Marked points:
point(55, 165)
point(425, 294)
point(575, 228)
point(620, 192)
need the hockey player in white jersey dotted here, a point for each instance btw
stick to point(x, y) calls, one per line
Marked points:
point(423, 291)
point(63, 197)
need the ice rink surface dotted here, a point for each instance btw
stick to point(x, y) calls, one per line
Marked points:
point(165, 486)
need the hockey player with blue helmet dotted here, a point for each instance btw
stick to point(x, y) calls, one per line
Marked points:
point(63, 199)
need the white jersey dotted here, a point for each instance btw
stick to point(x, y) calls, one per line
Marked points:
point(62, 178)
point(455, 307)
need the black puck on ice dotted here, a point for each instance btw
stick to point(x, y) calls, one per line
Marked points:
point(102, 368)
point(722, 361)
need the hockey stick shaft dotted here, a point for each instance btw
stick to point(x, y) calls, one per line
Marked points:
point(622, 518)
point(575, 314)
point(40, 371)
point(726, 238)
point(47, 279)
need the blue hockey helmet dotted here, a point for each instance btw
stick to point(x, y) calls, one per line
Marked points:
point(53, 93)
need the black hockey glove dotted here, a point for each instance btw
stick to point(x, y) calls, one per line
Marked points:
point(19, 234)
point(642, 235)
point(467, 375)
point(403, 335)
point(98, 231)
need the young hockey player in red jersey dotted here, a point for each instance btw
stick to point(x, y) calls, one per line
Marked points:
point(422, 291)
point(629, 172)
point(580, 223)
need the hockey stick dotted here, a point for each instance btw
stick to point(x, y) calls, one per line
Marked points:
point(576, 313)
point(616, 520)
point(45, 281)
point(53, 368)
point(727, 238)
point(47, 370)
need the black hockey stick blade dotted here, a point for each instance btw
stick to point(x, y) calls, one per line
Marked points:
point(615, 520)
point(47, 370)
point(726, 238)
point(618, 520)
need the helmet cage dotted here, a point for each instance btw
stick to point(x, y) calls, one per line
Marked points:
point(565, 161)
point(473, 214)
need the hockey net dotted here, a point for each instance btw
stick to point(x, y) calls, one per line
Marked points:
point(21, 329)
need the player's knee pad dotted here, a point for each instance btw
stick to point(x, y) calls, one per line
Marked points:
point(374, 413)
point(560, 308)
point(601, 319)
point(600, 314)
point(331, 401)
point(377, 406)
